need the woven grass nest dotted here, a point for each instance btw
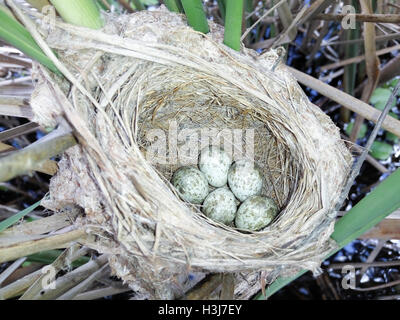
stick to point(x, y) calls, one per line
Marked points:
point(149, 71)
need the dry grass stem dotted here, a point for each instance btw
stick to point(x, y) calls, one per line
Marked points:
point(14, 251)
point(33, 156)
point(368, 112)
point(373, 18)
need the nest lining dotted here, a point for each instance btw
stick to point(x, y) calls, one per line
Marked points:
point(136, 75)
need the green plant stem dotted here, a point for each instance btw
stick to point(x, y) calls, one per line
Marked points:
point(83, 13)
point(381, 202)
point(233, 24)
point(174, 5)
point(195, 15)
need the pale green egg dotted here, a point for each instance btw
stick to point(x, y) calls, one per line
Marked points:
point(214, 162)
point(220, 206)
point(191, 184)
point(255, 213)
point(245, 179)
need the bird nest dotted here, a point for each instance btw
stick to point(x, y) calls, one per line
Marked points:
point(144, 95)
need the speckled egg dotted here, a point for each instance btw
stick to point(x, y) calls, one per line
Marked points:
point(255, 213)
point(191, 184)
point(214, 162)
point(245, 179)
point(220, 205)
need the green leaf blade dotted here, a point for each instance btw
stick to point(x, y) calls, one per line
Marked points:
point(233, 24)
point(16, 217)
point(16, 35)
point(84, 13)
point(378, 204)
point(195, 15)
point(174, 5)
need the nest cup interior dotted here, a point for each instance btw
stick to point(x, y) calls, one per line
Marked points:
point(176, 123)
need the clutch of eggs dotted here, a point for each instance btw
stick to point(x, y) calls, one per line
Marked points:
point(241, 180)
